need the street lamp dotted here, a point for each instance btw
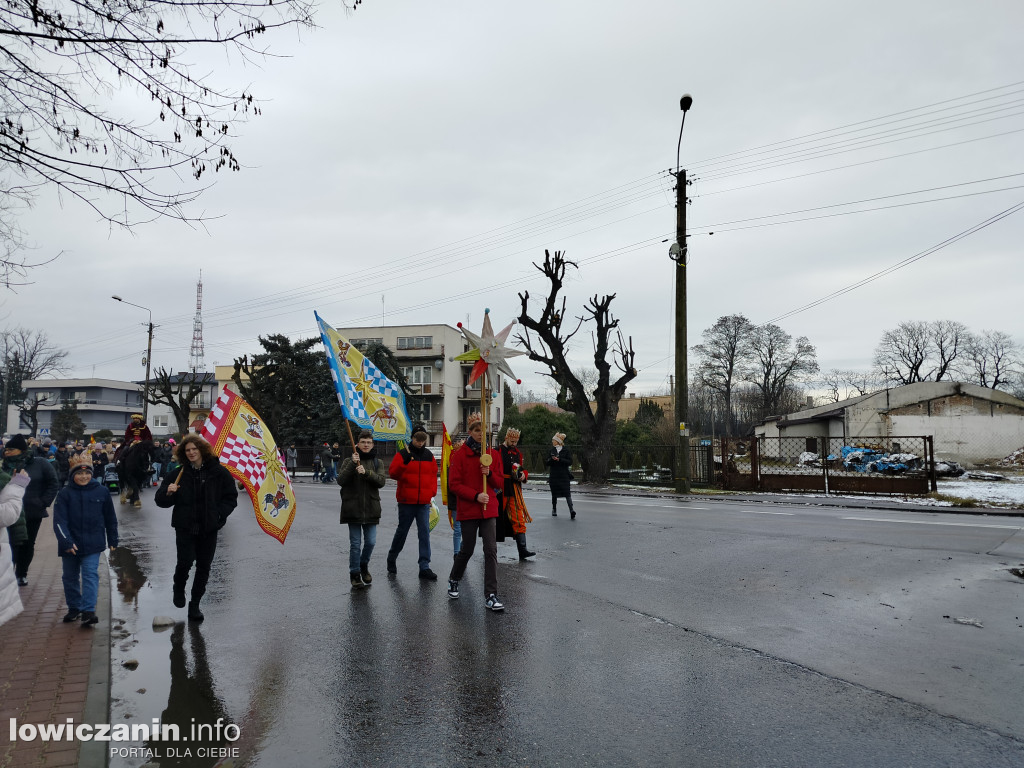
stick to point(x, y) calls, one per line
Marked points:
point(149, 357)
point(677, 252)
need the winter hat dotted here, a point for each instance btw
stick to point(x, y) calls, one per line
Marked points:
point(419, 429)
point(79, 463)
point(559, 438)
point(18, 442)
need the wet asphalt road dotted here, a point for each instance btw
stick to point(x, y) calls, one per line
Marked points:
point(648, 632)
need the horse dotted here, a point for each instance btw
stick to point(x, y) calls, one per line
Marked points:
point(134, 468)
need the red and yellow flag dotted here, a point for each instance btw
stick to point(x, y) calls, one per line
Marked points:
point(248, 450)
point(446, 455)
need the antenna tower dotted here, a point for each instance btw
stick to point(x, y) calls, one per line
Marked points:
point(195, 359)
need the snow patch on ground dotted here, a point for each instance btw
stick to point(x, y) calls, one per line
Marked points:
point(1008, 491)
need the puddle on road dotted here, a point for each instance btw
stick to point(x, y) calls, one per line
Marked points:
point(171, 683)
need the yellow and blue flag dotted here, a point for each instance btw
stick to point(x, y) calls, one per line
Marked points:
point(367, 396)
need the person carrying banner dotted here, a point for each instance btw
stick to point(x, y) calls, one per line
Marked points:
point(475, 477)
point(361, 477)
point(203, 495)
point(513, 517)
point(414, 468)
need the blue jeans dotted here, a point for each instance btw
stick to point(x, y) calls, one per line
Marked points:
point(81, 581)
point(457, 536)
point(368, 534)
point(156, 472)
point(406, 514)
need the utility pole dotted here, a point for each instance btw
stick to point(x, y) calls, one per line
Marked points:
point(678, 253)
point(149, 360)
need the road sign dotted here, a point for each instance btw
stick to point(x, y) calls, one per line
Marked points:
point(44, 432)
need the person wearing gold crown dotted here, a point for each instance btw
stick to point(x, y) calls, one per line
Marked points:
point(475, 476)
point(513, 517)
point(85, 525)
point(137, 431)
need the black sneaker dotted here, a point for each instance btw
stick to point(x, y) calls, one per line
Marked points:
point(194, 614)
point(89, 618)
point(494, 604)
point(367, 578)
point(428, 575)
point(22, 581)
point(71, 615)
point(392, 567)
point(179, 598)
point(453, 589)
point(357, 583)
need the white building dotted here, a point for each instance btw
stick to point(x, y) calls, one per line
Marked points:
point(969, 423)
point(102, 404)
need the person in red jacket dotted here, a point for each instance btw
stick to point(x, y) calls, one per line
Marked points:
point(137, 431)
point(469, 471)
point(415, 470)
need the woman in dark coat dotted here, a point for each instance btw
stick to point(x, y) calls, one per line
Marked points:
point(559, 461)
point(203, 494)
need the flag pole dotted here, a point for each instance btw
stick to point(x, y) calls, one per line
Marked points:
point(486, 462)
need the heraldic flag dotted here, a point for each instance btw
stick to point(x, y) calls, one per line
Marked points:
point(446, 457)
point(367, 396)
point(248, 450)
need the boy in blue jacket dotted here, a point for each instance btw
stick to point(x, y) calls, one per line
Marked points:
point(84, 522)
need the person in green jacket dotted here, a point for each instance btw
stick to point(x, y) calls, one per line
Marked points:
point(361, 477)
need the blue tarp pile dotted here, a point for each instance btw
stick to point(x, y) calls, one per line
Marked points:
point(870, 460)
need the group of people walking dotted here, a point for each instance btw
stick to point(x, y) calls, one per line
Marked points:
point(484, 488)
point(485, 494)
point(200, 490)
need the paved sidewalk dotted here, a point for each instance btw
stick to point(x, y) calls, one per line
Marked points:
point(50, 671)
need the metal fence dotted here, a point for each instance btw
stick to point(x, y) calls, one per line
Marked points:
point(650, 465)
point(891, 465)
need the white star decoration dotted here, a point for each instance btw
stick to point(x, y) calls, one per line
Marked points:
point(489, 348)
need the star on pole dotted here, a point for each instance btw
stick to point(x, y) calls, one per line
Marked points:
point(488, 349)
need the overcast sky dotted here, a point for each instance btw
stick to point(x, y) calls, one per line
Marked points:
point(413, 158)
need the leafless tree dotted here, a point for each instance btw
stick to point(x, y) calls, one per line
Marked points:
point(779, 363)
point(991, 359)
point(178, 393)
point(27, 355)
point(66, 67)
point(548, 343)
point(903, 352)
point(724, 358)
point(844, 384)
point(948, 339)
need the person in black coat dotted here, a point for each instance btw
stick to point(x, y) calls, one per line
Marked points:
point(42, 490)
point(203, 495)
point(559, 461)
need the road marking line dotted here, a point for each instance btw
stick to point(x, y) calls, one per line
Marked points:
point(932, 522)
point(761, 512)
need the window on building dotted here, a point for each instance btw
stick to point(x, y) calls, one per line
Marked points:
point(415, 342)
point(417, 374)
point(79, 397)
point(364, 343)
point(160, 421)
point(425, 412)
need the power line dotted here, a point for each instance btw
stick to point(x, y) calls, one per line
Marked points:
point(905, 262)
